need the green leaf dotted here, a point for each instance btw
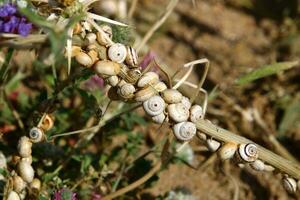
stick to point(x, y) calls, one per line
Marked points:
point(5, 65)
point(264, 71)
point(291, 116)
point(13, 83)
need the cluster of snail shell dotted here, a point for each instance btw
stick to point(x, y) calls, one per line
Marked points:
point(23, 177)
point(117, 65)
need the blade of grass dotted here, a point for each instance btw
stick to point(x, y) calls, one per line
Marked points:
point(5, 66)
point(266, 70)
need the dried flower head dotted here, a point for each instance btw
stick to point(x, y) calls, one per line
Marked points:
point(64, 194)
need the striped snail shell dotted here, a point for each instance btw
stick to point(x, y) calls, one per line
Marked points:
point(131, 57)
point(145, 94)
point(91, 38)
point(184, 130)
point(248, 152)
point(107, 68)
point(117, 52)
point(47, 123)
point(186, 102)
point(126, 91)
point(154, 106)
point(18, 183)
point(227, 151)
point(258, 165)
point(289, 184)
point(178, 112)
point(196, 113)
point(12, 195)
point(159, 119)
point(171, 96)
point(212, 144)
point(84, 59)
point(113, 80)
point(148, 78)
point(24, 147)
point(160, 86)
point(26, 171)
point(36, 135)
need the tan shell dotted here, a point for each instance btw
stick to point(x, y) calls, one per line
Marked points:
point(227, 151)
point(147, 79)
point(178, 112)
point(131, 57)
point(93, 55)
point(48, 122)
point(160, 86)
point(184, 131)
point(107, 68)
point(171, 96)
point(113, 80)
point(289, 184)
point(212, 145)
point(36, 184)
point(145, 94)
point(27, 159)
point(201, 136)
point(117, 52)
point(26, 171)
point(24, 147)
point(36, 135)
point(126, 91)
point(75, 51)
point(12, 195)
point(196, 113)
point(91, 38)
point(84, 59)
point(18, 183)
point(77, 29)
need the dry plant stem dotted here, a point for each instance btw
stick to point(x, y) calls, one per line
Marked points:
point(282, 164)
point(132, 8)
point(154, 28)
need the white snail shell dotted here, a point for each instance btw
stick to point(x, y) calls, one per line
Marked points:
point(12, 195)
point(184, 130)
point(113, 80)
point(131, 57)
point(91, 38)
point(84, 59)
point(171, 96)
point(186, 102)
point(145, 94)
point(154, 106)
point(36, 184)
point(201, 136)
point(117, 52)
point(160, 86)
point(27, 159)
point(159, 119)
point(107, 68)
point(258, 165)
point(26, 171)
point(36, 135)
point(196, 113)
point(269, 168)
point(212, 145)
point(248, 152)
point(47, 123)
point(227, 151)
point(148, 78)
point(126, 91)
point(289, 184)
point(24, 147)
point(178, 112)
point(18, 183)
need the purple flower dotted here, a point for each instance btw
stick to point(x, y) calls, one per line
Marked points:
point(64, 194)
point(94, 82)
point(7, 10)
point(11, 25)
point(147, 59)
point(24, 28)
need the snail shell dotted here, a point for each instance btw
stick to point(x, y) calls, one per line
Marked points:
point(258, 165)
point(145, 94)
point(113, 80)
point(91, 38)
point(154, 106)
point(248, 152)
point(75, 50)
point(117, 52)
point(36, 135)
point(107, 68)
point(27, 159)
point(147, 79)
point(184, 130)
point(26, 171)
point(126, 91)
point(102, 52)
point(36, 184)
point(289, 184)
point(196, 113)
point(93, 55)
point(227, 151)
point(12, 195)
point(18, 183)
point(269, 168)
point(24, 147)
point(113, 94)
point(201, 136)
point(77, 29)
point(212, 145)
point(160, 86)
point(159, 119)
point(178, 112)
point(48, 122)
point(131, 57)
point(101, 39)
point(171, 96)
point(84, 59)
point(186, 102)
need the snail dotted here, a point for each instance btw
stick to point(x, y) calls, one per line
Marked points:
point(26, 171)
point(117, 52)
point(258, 165)
point(289, 184)
point(84, 59)
point(159, 119)
point(12, 195)
point(196, 113)
point(106, 68)
point(47, 122)
point(131, 57)
point(27, 159)
point(160, 86)
point(171, 96)
point(212, 144)
point(227, 151)
point(178, 112)
point(184, 130)
point(148, 78)
point(248, 152)
point(113, 80)
point(36, 135)
point(103, 38)
point(75, 51)
point(154, 106)
point(24, 147)
point(18, 183)
point(35, 184)
point(186, 102)
point(201, 136)
point(102, 52)
point(91, 38)
point(93, 55)
point(145, 94)
point(126, 91)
